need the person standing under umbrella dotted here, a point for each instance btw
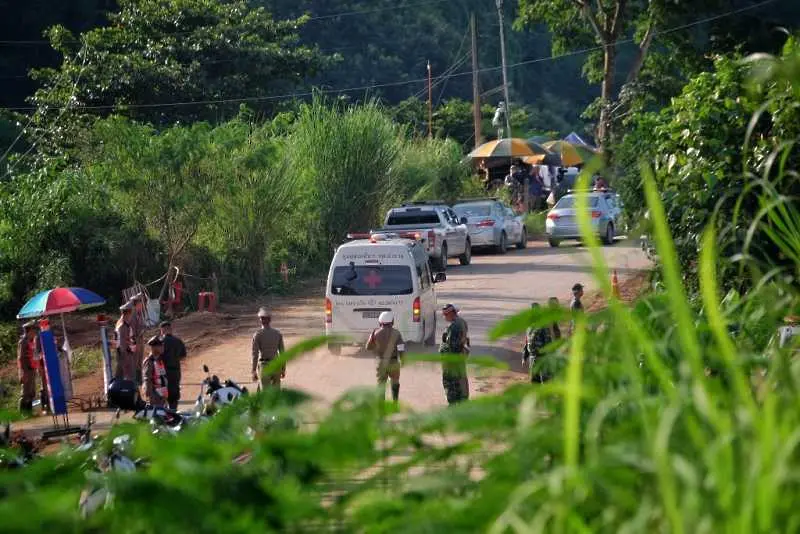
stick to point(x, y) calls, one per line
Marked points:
point(174, 352)
point(28, 363)
point(126, 344)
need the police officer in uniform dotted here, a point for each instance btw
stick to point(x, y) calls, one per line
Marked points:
point(126, 344)
point(267, 344)
point(138, 327)
point(174, 353)
point(28, 363)
point(455, 342)
point(154, 374)
point(387, 344)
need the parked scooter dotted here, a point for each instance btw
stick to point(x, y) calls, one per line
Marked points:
point(217, 393)
point(98, 494)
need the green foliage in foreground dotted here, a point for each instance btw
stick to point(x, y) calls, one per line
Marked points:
point(630, 436)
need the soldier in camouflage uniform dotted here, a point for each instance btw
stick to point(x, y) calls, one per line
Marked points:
point(455, 342)
point(535, 340)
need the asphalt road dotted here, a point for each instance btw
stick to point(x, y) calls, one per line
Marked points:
point(491, 288)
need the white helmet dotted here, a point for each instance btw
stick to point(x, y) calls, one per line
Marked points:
point(386, 317)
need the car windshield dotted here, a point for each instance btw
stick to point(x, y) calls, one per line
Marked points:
point(412, 217)
point(569, 202)
point(473, 210)
point(372, 280)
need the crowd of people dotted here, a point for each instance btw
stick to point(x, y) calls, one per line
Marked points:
point(159, 373)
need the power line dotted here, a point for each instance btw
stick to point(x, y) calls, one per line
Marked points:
point(310, 19)
point(406, 82)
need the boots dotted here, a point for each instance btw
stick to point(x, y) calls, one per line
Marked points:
point(395, 392)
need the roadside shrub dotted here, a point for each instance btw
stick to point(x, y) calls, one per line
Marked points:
point(343, 157)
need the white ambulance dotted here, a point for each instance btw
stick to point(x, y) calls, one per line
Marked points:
point(374, 273)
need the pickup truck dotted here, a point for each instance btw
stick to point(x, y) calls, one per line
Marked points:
point(443, 233)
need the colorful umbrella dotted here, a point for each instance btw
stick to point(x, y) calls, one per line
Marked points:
point(507, 148)
point(571, 155)
point(60, 300)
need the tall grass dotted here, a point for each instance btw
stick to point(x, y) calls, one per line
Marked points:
point(662, 419)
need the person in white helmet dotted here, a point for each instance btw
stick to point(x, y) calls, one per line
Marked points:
point(387, 344)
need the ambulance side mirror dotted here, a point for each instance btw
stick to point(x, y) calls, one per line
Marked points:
point(439, 277)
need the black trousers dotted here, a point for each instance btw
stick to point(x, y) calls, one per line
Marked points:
point(174, 387)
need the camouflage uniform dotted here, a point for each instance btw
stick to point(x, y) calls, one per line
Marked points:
point(535, 340)
point(267, 344)
point(454, 374)
point(386, 343)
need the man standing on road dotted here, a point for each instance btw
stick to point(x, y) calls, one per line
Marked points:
point(267, 345)
point(28, 364)
point(126, 345)
point(174, 353)
point(154, 374)
point(455, 344)
point(576, 305)
point(387, 344)
point(535, 340)
point(138, 326)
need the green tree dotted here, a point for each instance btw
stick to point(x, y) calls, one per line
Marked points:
point(166, 179)
point(156, 54)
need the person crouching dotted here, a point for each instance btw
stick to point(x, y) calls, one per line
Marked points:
point(154, 374)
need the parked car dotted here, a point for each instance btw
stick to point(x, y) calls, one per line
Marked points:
point(492, 223)
point(443, 234)
point(606, 217)
point(376, 273)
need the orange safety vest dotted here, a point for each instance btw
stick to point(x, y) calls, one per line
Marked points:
point(160, 378)
point(29, 351)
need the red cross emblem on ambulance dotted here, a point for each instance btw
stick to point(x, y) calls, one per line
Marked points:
point(373, 279)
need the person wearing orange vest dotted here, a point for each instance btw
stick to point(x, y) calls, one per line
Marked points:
point(28, 362)
point(154, 374)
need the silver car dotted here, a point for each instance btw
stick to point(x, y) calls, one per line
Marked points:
point(606, 217)
point(492, 224)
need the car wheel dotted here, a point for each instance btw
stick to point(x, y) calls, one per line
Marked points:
point(608, 239)
point(523, 240)
point(466, 257)
point(443, 259)
point(335, 349)
point(553, 242)
point(502, 247)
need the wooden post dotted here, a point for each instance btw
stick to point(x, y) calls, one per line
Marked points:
point(476, 91)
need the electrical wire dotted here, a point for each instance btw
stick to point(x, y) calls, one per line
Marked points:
point(310, 19)
point(289, 96)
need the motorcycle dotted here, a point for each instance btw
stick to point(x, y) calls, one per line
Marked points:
point(97, 493)
point(217, 393)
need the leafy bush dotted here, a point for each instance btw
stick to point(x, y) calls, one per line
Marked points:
point(343, 156)
point(705, 170)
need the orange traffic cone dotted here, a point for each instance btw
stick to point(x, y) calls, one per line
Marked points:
point(614, 284)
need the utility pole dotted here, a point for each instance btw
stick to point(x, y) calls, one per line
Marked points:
point(430, 103)
point(476, 91)
point(499, 4)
